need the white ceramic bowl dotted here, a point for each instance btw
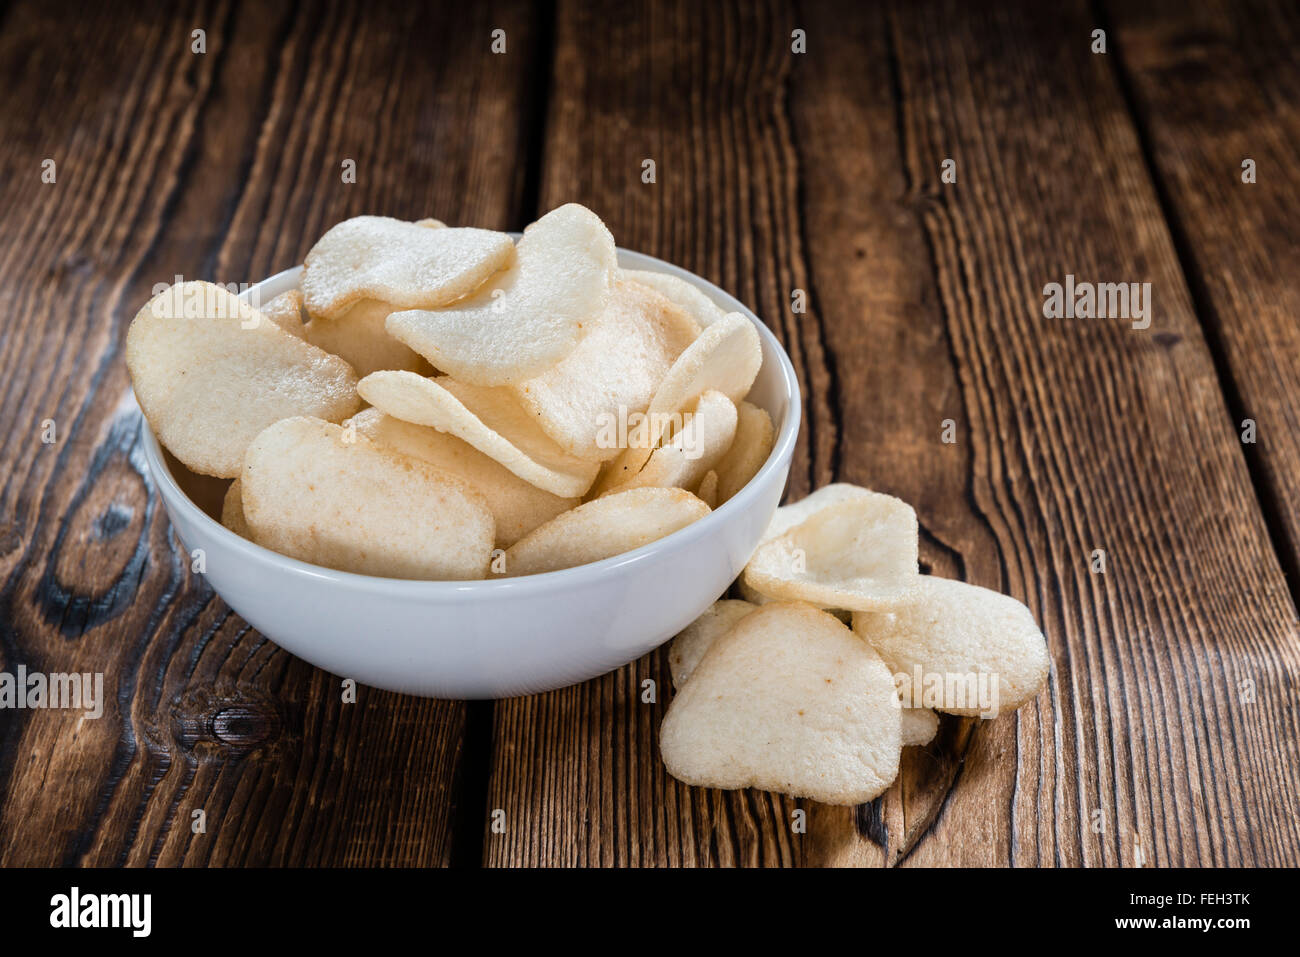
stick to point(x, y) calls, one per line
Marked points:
point(494, 639)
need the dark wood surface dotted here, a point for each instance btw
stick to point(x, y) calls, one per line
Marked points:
point(1168, 732)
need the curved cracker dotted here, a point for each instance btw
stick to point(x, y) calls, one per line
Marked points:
point(611, 374)
point(232, 512)
point(788, 516)
point(211, 373)
point(528, 317)
point(488, 418)
point(693, 451)
point(755, 437)
point(696, 638)
point(960, 648)
point(726, 358)
point(701, 308)
point(788, 700)
point(708, 489)
point(860, 555)
point(517, 506)
point(358, 336)
point(918, 726)
point(285, 310)
point(604, 528)
point(314, 492)
point(405, 264)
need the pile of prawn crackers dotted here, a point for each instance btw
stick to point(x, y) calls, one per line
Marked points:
point(445, 403)
point(839, 657)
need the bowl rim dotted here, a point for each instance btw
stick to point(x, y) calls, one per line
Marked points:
point(782, 448)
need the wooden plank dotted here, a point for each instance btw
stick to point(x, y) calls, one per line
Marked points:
point(697, 88)
point(1214, 85)
point(223, 166)
point(1073, 435)
point(1158, 739)
point(876, 289)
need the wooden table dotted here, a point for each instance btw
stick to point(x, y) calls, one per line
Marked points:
point(1168, 731)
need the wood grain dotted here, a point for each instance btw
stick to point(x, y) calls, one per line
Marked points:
point(1169, 729)
point(1167, 732)
point(577, 772)
point(1215, 84)
point(1081, 435)
point(223, 166)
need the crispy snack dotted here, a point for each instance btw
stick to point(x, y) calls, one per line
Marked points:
point(960, 648)
point(693, 451)
point(726, 358)
point(756, 597)
point(488, 418)
point(232, 512)
point(405, 264)
point(787, 700)
point(210, 373)
point(860, 555)
point(517, 506)
point(918, 726)
point(604, 528)
point(708, 489)
point(755, 437)
point(611, 374)
point(703, 309)
point(788, 516)
point(753, 595)
point(313, 492)
point(528, 317)
point(359, 337)
point(285, 310)
point(695, 639)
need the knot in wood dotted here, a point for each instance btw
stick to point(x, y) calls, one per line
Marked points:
point(242, 727)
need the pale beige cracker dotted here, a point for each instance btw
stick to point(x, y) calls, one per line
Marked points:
point(211, 372)
point(585, 401)
point(788, 700)
point(405, 264)
point(755, 437)
point(695, 639)
point(488, 418)
point(529, 316)
point(703, 309)
point(859, 555)
point(604, 528)
point(322, 494)
point(358, 336)
point(725, 358)
point(960, 648)
point(517, 506)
